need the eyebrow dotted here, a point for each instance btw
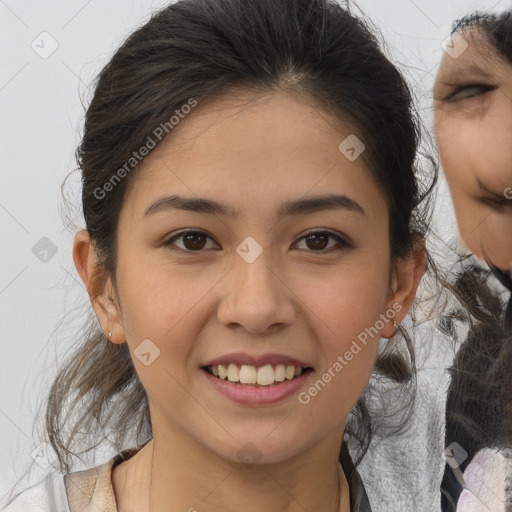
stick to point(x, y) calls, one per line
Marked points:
point(470, 69)
point(296, 207)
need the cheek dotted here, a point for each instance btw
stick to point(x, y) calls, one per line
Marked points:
point(476, 147)
point(471, 149)
point(444, 140)
point(491, 154)
point(473, 219)
point(157, 299)
point(455, 143)
point(164, 313)
point(349, 302)
point(494, 239)
point(484, 230)
point(348, 307)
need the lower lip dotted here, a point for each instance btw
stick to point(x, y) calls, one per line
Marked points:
point(248, 395)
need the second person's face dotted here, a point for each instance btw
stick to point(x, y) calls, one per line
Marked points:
point(473, 126)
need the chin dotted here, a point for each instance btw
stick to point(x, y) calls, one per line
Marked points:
point(254, 451)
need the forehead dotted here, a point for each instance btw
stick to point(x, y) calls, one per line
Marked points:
point(479, 60)
point(275, 146)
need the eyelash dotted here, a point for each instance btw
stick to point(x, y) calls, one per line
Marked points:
point(481, 88)
point(168, 243)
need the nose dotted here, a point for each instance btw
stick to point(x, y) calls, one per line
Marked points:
point(256, 297)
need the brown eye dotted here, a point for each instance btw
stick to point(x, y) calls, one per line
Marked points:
point(192, 241)
point(195, 241)
point(319, 240)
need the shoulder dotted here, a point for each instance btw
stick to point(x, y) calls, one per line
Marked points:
point(73, 491)
point(93, 485)
point(47, 495)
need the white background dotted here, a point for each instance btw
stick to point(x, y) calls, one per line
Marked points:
point(40, 127)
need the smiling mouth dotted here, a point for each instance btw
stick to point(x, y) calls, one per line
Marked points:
point(260, 377)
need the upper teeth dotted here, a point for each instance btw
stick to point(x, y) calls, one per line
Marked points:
point(264, 375)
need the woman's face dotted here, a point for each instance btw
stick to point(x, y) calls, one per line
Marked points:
point(287, 279)
point(473, 125)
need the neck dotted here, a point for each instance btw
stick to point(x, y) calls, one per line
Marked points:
point(173, 476)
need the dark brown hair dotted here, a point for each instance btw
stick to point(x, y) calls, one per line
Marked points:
point(497, 29)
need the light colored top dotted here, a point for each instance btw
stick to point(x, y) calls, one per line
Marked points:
point(485, 480)
point(91, 490)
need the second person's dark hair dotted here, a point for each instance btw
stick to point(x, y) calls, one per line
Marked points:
point(497, 29)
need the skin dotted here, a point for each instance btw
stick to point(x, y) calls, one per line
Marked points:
point(473, 127)
point(295, 300)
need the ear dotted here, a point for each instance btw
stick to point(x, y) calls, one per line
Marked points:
point(104, 300)
point(404, 284)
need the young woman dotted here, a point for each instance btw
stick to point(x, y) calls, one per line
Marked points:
point(473, 123)
point(254, 226)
